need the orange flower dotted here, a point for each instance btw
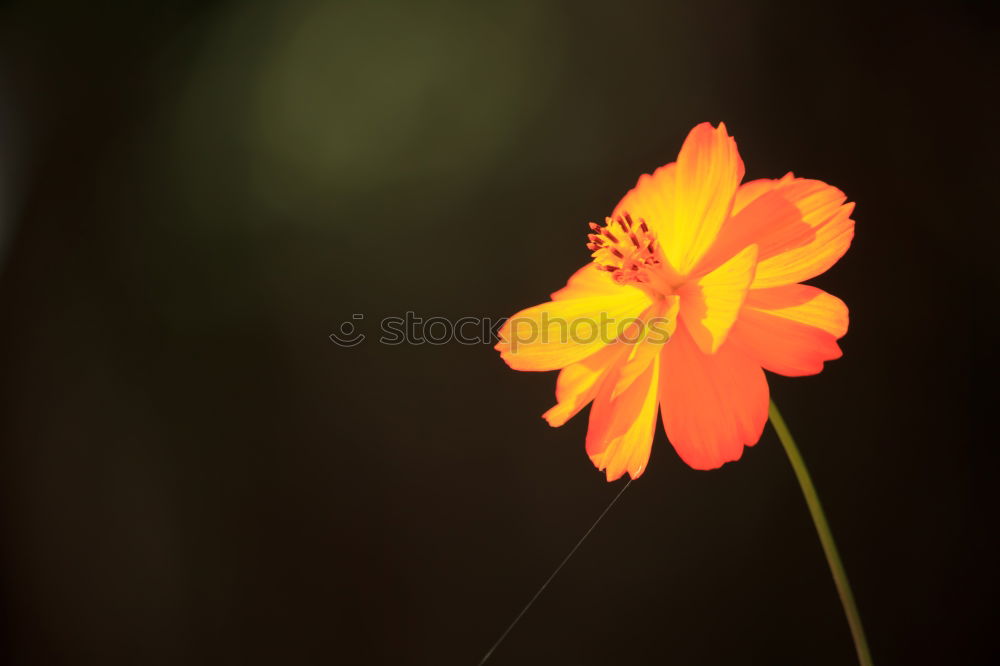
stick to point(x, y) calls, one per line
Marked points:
point(693, 289)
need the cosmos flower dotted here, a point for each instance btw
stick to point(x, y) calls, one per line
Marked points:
point(694, 288)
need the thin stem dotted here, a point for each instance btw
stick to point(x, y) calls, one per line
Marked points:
point(825, 536)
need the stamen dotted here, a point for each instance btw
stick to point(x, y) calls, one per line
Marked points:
point(630, 261)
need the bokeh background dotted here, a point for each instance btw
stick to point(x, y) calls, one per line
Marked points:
point(193, 196)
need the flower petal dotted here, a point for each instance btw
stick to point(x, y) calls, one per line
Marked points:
point(747, 193)
point(658, 324)
point(620, 434)
point(709, 170)
point(685, 204)
point(709, 306)
point(591, 281)
point(652, 200)
point(712, 405)
point(556, 334)
point(578, 383)
point(642, 342)
point(804, 304)
point(801, 226)
point(791, 330)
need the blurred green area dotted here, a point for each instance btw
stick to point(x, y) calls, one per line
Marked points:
point(304, 107)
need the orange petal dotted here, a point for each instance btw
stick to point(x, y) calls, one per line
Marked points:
point(621, 429)
point(686, 203)
point(578, 383)
point(792, 330)
point(804, 304)
point(709, 306)
point(752, 189)
point(712, 405)
point(556, 334)
point(801, 226)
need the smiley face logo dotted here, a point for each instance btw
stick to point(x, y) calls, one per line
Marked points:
point(347, 334)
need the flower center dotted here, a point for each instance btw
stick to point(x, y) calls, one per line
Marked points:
point(625, 249)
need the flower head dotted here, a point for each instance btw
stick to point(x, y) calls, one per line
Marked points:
point(693, 290)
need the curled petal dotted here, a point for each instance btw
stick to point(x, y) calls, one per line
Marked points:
point(710, 306)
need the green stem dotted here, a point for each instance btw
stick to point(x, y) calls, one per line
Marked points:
point(825, 536)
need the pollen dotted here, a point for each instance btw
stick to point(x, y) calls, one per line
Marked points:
point(624, 248)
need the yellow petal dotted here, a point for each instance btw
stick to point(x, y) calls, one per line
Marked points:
point(578, 383)
point(556, 334)
point(709, 170)
point(591, 281)
point(685, 204)
point(659, 324)
point(620, 434)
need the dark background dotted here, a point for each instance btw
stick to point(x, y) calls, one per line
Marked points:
point(193, 196)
